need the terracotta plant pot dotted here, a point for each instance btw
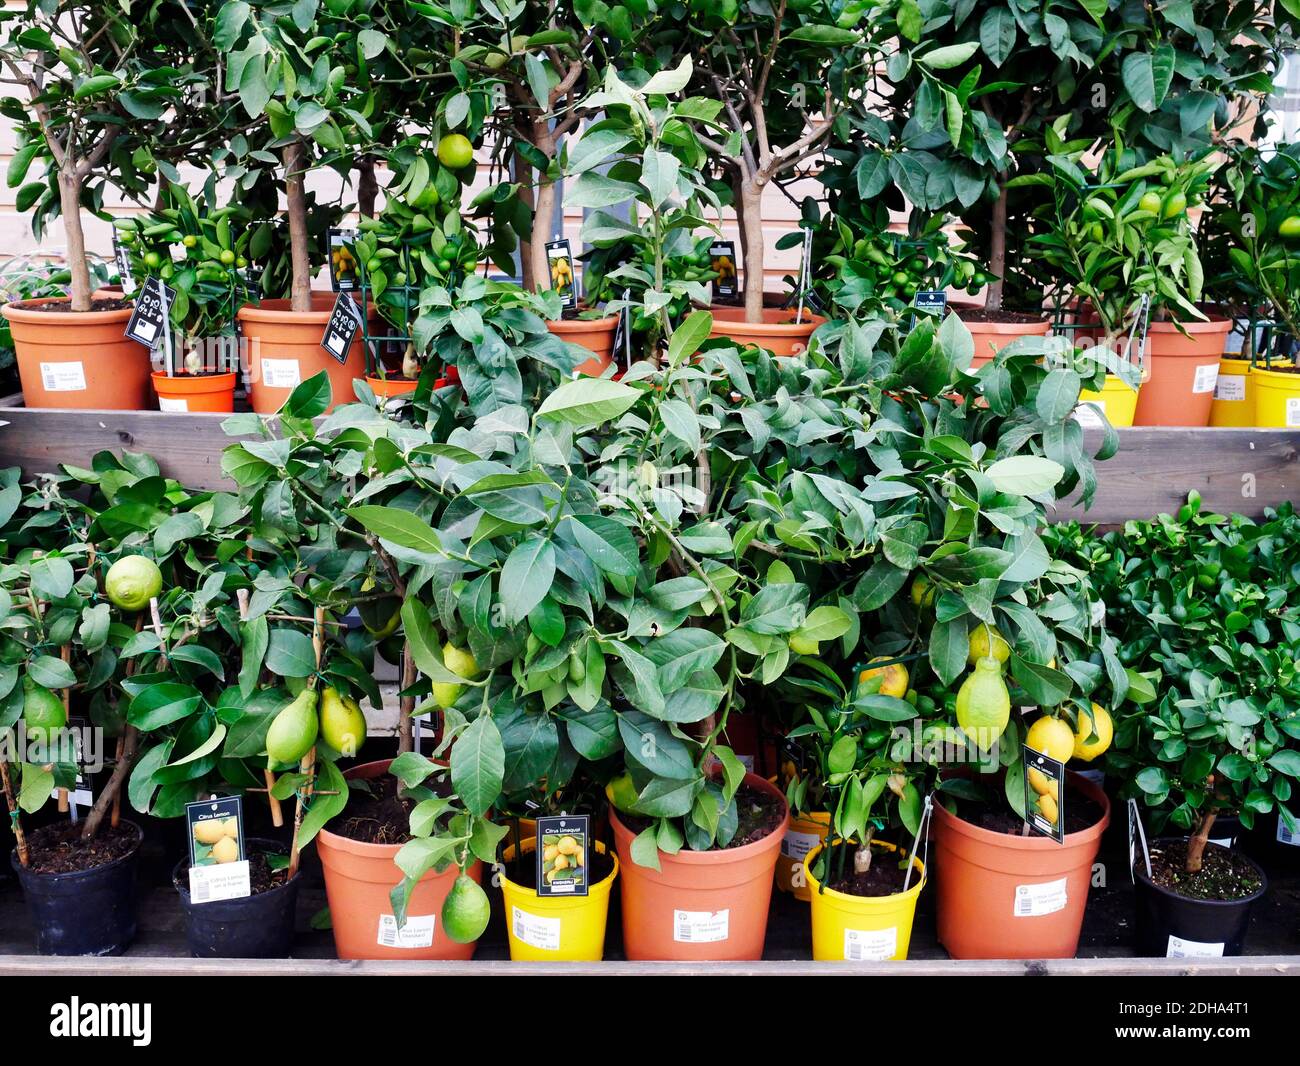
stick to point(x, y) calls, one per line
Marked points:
point(991, 337)
point(189, 392)
point(78, 360)
point(358, 879)
point(778, 332)
point(387, 388)
point(1003, 896)
point(594, 334)
point(1181, 372)
point(1177, 927)
point(700, 905)
point(284, 350)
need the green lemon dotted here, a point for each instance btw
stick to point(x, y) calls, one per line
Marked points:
point(445, 694)
point(1289, 227)
point(455, 151)
point(1150, 202)
point(983, 703)
point(803, 645)
point(1175, 205)
point(43, 711)
point(460, 661)
point(293, 731)
point(132, 582)
point(227, 257)
point(465, 911)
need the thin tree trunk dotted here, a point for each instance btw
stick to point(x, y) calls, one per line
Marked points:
point(1196, 844)
point(295, 164)
point(367, 186)
point(543, 210)
point(75, 234)
point(750, 207)
point(115, 783)
point(998, 247)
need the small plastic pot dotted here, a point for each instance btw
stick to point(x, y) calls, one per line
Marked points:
point(89, 912)
point(254, 927)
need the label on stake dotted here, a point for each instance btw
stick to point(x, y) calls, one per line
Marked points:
point(148, 318)
point(722, 259)
point(1044, 793)
point(344, 321)
point(564, 279)
point(563, 855)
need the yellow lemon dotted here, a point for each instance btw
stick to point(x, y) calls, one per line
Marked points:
point(460, 661)
point(1099, 722)
point(209, 832)
point(1053, 737)
point(985, 640)
point(132, 582)
point(886, 680)
point(568, 846)
point(1047, 808)
point(1041, 783)
point(923, 593)
point(225, 850)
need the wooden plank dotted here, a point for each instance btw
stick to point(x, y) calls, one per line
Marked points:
point(1262, 965)
point(1241, 470)
point(187, 446)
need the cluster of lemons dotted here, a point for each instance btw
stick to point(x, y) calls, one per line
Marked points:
point(222, 836)
point(563, 855)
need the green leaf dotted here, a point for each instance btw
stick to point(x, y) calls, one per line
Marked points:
point(607, 543)
point(952, 55)
point(324, 806)
point(290, 653)
point(1025, 475)
point(423, 639)
point(478, 763)
point(827, 36)
point(588, 402)
point(688, 337)
point(160, 705)
point(51, 673)
point(645, 848)
point(526, 577)
point(399, 526)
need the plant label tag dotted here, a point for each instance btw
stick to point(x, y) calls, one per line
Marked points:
point(870, 945)
point(216, 831)
point(1179, 948)
point(563, 853)
point(931, 302)
point(149, 315)
point(1044, 793)
point(63, 377)
point(1230, 387)
point(1293, 412)
point(1136, 833)
point(1285, 835)
point(123, 260)
point(797, 845)
point(1031, 901)
point(173, 403)
point(344, 321)
point(564, 279)
point(416, 933)
point(701, 927)
point(81, 794)
point(723, 263)
point(280, 373)
point(534, 930)
point(343, 261)
point(1207, 377)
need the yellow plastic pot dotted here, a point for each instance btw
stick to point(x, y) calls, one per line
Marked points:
point(861, 928)
point(1234, 394)
point(556, 928)
point(807, 831)
point(1277, 399)
point(1116, 400)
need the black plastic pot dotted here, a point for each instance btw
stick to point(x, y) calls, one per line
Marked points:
point(255, 927)
point(1201, 925)
point(90, 912)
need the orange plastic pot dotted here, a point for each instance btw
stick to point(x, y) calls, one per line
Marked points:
point(1013, 897)
point(189, 392)
point(991, 337)
point(699, 905)
point(358, 880)
point(284, 350)
point(778, 332)
point(387, 388)
point(1182, 371)
point(78, 359)
point(594, 334)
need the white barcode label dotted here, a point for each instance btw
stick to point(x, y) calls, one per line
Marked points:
point(1293, 412)
point(533, 929)
point(280, 373)
point(701, 927)
point(228, 880)
point(1206, 378)
point(1034, 900)
point(1285, 836)
point(870, 945)
point(1192, 949)
point(169, 403)
point(1230, 387)
point(797, 845)
point(63, 377)
point(416, 933)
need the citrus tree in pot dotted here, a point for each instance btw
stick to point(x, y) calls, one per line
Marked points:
point(83, 73)
point(1199, 609)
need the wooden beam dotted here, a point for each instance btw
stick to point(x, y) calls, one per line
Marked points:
point(1241, 470)
point(134, 965)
